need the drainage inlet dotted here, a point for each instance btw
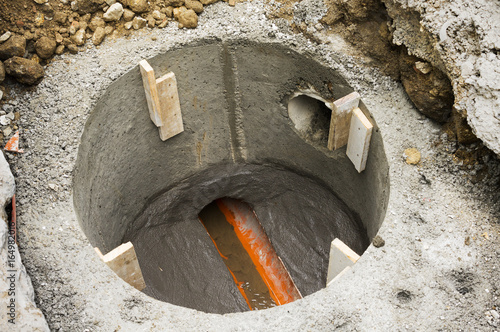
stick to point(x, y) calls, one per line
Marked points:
point(239, 142)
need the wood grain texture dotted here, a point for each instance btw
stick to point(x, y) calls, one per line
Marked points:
point(358, 144)
point(170, 107)
point(341, 119)
point(123, 261)
point(341, 257)
point(149, 82)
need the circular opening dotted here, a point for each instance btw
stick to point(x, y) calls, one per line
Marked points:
point(238, 144)
point(311, 117)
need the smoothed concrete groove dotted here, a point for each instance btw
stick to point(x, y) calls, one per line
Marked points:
point(232, 94)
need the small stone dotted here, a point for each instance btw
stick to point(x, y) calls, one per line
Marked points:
point(60, 17)
point(41, 2)
point(412, 156)
point(1, 96)
point(423, 67)
point(96, 22)
point(23, 70)
point(378, 242)
point(208, 2)
point(7, 131)
point(169, 11)
point(2, 72)
point(194, 5)
point(128, 15)
point(128, 25)
point(45, 47)
point(188, 19)
point(98, 36)
point(4, 121)
point(108, 30)
point(86, 6)
point(114, 13)
point(72, 48)
point(85, 18)
point(39, 19)
point(14, 46)
point(151, 21)
point(83, 25)
point(232, 3)
point(5, 36)
point(110, 2)
point(35, 58)
point(59, 38)
point(163, 24)
point(28, 35)
point(138, 23)
point(174, 3)
point(60, 49)
point(178, 11)
point(138, 6)
point(79, 37)
point(156, 14)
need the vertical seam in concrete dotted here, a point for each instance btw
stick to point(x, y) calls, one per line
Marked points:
point(232, 95)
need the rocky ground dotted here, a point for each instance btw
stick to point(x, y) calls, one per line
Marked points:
point(444, 53)
point(33, 32)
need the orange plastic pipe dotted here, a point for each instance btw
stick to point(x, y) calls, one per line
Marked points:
point(255, 241)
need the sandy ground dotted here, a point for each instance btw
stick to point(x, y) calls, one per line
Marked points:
point(437, 271)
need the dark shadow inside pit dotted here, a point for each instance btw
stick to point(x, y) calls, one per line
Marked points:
point(238, 142)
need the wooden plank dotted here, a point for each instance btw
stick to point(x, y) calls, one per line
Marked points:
point(360, 134)
point(149, 82)
point(341, 257)
point(340, 121)
point(123, 261)
point(338, 276)
point(170, 107)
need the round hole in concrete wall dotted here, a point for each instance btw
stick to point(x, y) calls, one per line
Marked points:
point(131, 186)
point(311, 117)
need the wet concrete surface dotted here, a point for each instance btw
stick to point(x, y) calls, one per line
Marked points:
point(238, 142)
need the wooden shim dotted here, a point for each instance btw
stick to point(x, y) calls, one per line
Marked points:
point(170, 107)
point(123, 261)
point(341, 257)
point(358, 144)
point(338, 276)
point(340, 121)
point(149, 82)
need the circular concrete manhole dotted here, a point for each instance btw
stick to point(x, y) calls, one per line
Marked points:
point(239, 142)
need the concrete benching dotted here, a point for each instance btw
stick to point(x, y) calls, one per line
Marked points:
point(238, 142)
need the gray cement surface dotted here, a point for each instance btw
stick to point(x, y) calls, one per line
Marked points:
point(437, 271)
point(238, 142)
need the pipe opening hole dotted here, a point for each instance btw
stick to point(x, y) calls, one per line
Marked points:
point(311, 117)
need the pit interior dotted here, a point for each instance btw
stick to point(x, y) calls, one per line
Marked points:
point(241, 142)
